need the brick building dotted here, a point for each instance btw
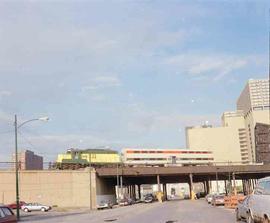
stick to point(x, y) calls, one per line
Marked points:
point(262, 143)
point(28, 160)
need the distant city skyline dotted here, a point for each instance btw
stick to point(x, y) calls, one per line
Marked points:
point(129, 74)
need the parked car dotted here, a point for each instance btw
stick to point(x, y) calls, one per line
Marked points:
point(6, 215)
point(259, 202)
point(14, 205)
point(104, 205)
point(217, 199)
point(209, 198)
point(149, 198)
point(35, 207)
point(200, 195)
point(241, 210)
point(126, 201)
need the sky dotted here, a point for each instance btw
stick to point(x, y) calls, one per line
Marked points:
point(123, 73)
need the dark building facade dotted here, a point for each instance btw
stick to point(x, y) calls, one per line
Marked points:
point(262, 143)
point(28, 160)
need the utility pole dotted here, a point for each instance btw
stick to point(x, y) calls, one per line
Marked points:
point(17, 170)
point(117, 179)
point(90, 181)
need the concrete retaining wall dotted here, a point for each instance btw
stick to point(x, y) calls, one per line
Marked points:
point(61, 188)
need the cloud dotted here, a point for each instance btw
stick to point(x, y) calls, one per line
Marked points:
point(101, 82)
point(97, 97)
point(200, 64)
point(163, 122)
point(4, 93)
point(5, 117)
point(213, 66)
point(142, 120)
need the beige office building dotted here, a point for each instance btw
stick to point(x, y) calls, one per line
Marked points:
point(234, 140)
point(254, 101)
point(223, 141)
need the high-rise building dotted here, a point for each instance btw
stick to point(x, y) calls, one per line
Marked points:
point(254, 101)
point(235, 139)
point(29, 161)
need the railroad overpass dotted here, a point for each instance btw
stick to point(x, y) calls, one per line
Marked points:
point(131, 176)
point(199, 172)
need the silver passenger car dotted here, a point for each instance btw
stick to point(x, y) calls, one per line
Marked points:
point(259, 203)
point(241, 210)
point(35, 207)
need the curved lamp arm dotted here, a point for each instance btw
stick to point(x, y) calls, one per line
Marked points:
point(44, 119)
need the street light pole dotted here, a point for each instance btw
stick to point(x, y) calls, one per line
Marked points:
point(90, 182)
point(16, 159)
point(117, 179)
point(17, 169)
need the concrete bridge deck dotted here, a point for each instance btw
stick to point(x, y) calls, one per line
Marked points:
point(176, 174)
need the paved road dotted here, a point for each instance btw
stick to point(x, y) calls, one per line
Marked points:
point(173, 211)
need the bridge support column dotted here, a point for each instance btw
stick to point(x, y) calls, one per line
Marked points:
point(134, 191)
point(130, 191)
point(192, 194)
point(253, 184)
point(121, 187)
point(165, 191)
point(248, 186)
point(158, 182)
point(244, 187)
point(226, 188)
point(234, 184)
point(204, 187)
point(139, 191)
point(207, 187)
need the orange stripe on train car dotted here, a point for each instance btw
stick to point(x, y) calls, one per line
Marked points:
point(167, 151)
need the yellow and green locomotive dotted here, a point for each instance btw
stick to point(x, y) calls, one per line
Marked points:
point(75, 158)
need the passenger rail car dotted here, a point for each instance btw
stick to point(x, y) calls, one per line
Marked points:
point(166, 157)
